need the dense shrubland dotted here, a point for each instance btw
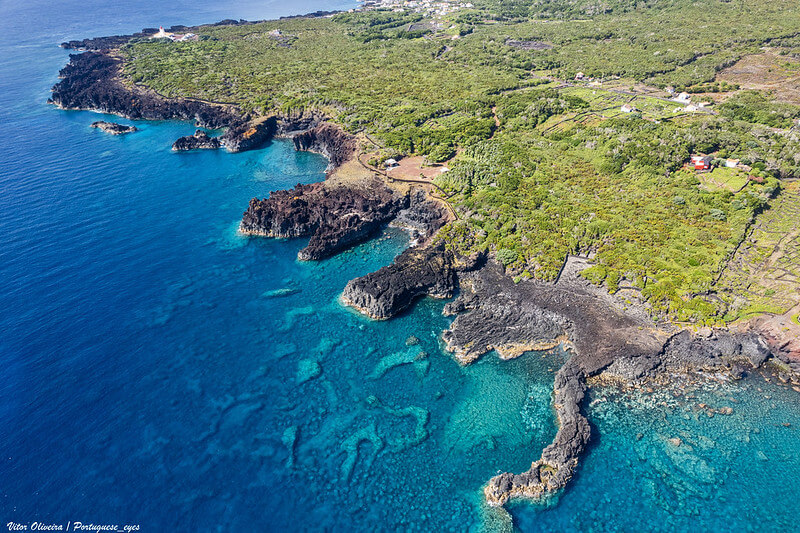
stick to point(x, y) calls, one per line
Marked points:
point(614, 188)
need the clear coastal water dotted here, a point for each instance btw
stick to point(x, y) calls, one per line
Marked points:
point(158, 369)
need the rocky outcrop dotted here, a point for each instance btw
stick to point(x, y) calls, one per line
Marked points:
point(423, 217)
point(503, 323)
point(91, 81)
point(336, 217)
point(515, 317)
point(248, 135)
point(112, 127)
point(417, 272)
point(685, 351)
point(328, 140)
point(199, 141)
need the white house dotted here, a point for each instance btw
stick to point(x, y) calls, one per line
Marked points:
point(627, 108)
point(683, 98)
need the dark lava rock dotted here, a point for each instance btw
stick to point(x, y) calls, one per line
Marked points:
point(113, 128)
point(335, 217)
point(498, 321)
point(755, 349)
point(327, 140)
point(423, 216)
point(557, 464)
point(199, 141)
point(249, 135)
point(606, 338)
point(417, 272)
point(91, 81)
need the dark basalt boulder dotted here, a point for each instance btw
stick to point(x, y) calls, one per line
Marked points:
point(199, 141)
point(334, 217)
point(415, 273)
point(112, 127)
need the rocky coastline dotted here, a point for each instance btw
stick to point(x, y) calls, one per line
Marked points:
point(328, 140)
point(607, 337)
point(334, 217)
point(92, 81)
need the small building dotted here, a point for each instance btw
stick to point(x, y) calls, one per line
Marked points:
point(731, 163)
point(702, 162)
point(683, 98)
point(579, 76)
point(691, 108)
point(670, 90)
point(627, 108)
point(390, 164)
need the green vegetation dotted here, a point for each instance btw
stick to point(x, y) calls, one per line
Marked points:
point(543, 169)
point(724, 179)
point(604, 190)
point(752, 106)
point(764, 275)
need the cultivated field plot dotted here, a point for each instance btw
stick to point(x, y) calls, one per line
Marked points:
point(771, 72)
point(605, 104)
point(724, 179)
point(764, 275)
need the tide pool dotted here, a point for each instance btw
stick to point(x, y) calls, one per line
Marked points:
point(156, 368)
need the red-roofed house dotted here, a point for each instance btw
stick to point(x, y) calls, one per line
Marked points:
point(702, 162)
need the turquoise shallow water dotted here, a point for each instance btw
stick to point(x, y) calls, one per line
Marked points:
point(157, 368)
point(730, 472)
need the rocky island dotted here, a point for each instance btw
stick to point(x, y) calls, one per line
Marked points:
point(558, 219)
point(113, 128)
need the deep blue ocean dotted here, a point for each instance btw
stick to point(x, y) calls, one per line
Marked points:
point(158, 369)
